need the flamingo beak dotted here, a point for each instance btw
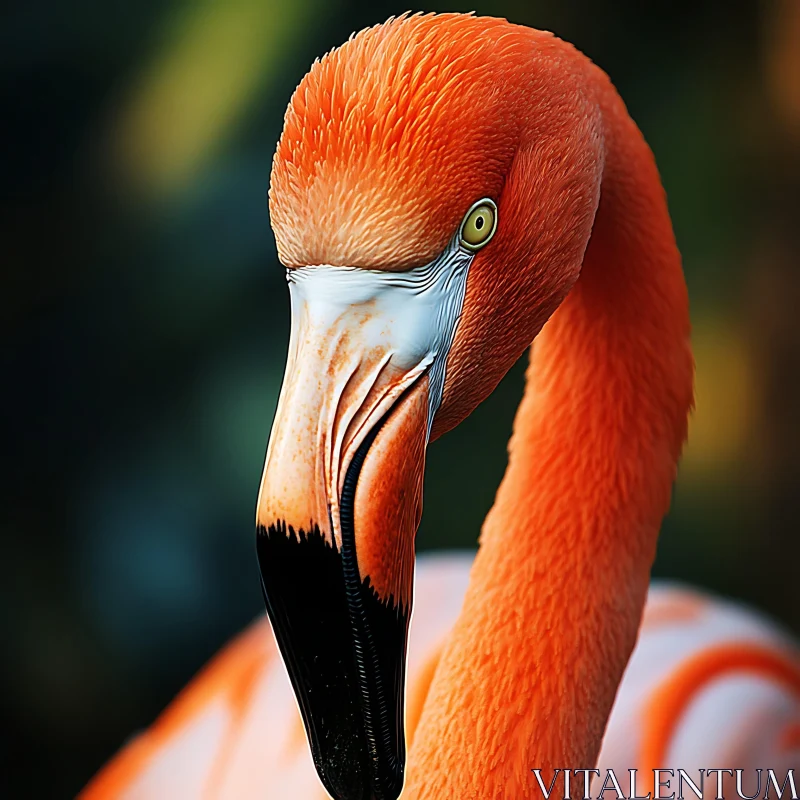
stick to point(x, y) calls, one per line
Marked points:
point(339, 506)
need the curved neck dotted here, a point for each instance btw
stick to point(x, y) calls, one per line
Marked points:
point(529, 674)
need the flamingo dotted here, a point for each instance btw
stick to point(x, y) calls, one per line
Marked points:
point(446, 190)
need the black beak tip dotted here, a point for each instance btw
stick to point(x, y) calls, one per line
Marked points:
point(343, 784)
point(350, 697)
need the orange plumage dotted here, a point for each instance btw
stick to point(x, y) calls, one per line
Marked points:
point(386, 142)
point(379, 122)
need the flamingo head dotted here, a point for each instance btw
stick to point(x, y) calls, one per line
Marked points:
point(432, 195)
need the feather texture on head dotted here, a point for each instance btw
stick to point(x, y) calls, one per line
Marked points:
point(390, 138)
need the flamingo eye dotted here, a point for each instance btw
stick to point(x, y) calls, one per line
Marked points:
point(479, 224)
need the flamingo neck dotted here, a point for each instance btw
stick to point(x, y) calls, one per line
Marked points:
point(529, 674)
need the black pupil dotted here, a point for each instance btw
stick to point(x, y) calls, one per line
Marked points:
point(479, 223)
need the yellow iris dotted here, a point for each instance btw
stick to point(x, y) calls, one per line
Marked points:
point(479, 225)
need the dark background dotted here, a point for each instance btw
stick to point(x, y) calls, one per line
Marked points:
point(144, 326)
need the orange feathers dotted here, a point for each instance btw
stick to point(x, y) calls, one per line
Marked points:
point(389, 139)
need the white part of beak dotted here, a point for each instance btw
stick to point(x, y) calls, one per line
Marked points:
point(410, 316)
point(359, 340)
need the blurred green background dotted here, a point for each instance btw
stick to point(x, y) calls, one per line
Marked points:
point(145, 322)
